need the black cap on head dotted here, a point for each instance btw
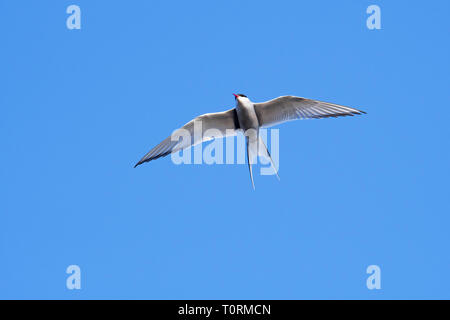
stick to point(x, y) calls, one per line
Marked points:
point(239, 95)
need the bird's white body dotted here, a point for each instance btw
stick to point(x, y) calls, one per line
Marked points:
point(249, 123)
point(246, 114)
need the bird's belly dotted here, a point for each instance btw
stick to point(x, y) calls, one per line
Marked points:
point(247, 117)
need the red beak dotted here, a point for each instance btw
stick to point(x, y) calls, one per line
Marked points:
point(235, 95)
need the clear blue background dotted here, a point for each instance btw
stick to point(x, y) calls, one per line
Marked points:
point(80, 107)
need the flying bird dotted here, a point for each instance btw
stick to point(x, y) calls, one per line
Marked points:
point(248, 117)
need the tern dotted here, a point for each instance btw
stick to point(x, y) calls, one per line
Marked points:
point(248, 117)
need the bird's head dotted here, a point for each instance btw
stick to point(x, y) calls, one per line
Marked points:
point(239, 95)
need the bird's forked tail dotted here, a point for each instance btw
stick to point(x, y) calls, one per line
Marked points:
point(255, 149)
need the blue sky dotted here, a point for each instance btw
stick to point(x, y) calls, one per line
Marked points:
point(80, 107)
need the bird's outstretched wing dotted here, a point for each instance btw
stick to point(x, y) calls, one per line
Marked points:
point(287, 108)
point(225, 123)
